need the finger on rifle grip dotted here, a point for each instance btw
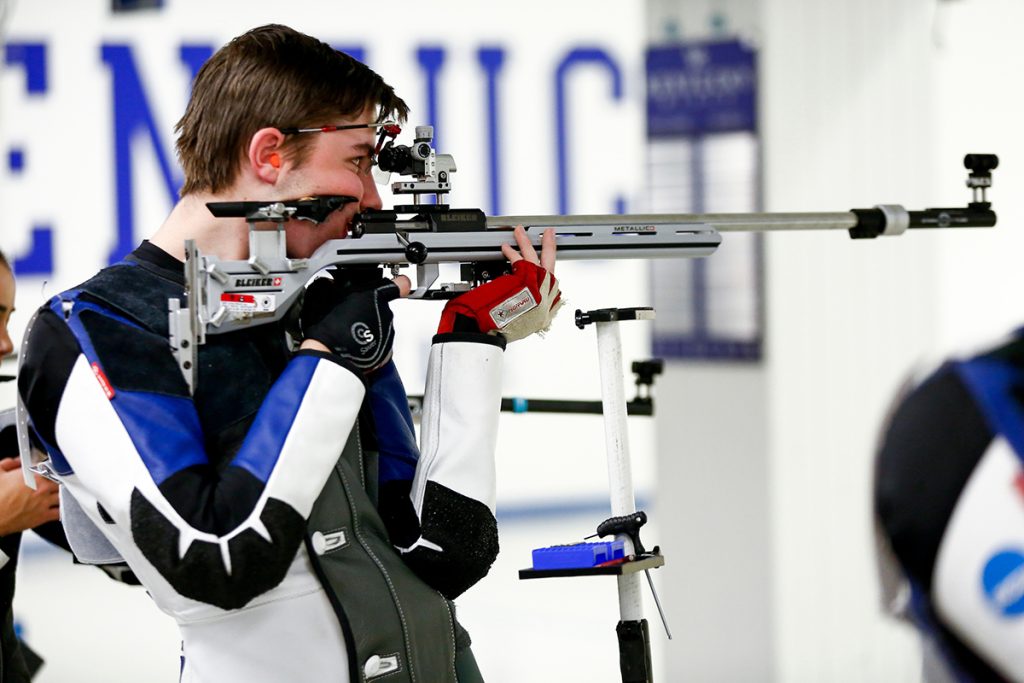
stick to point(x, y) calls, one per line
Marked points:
point(403, 286)
point(510, 253)
point(525, 246)
point(547, 251)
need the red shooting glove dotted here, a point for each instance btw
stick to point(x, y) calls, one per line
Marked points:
point(515, 305)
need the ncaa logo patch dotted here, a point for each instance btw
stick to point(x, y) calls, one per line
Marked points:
point(1002, 579)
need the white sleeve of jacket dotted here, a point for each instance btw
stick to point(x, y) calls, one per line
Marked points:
point(121, 446)
point(460, 421)
point(453, 491)
point(978, 585)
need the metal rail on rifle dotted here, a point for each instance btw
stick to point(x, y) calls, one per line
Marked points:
point(223, 296)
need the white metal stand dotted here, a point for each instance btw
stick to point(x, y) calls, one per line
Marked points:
point(632, 630)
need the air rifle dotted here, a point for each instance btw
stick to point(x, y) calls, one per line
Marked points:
point(224, 296)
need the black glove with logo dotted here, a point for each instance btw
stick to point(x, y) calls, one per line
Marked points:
point(351, 317)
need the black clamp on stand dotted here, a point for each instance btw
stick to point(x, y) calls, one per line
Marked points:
point(644, 372)
point(632, 630)
point(607, 315)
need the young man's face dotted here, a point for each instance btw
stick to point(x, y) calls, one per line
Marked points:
point(333, 168)
point(6, 308)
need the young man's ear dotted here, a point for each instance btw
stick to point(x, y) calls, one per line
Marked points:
point(265, 156)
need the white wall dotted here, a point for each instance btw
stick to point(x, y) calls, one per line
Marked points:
point(978, 106)
point(863, 102)
point(846, 113)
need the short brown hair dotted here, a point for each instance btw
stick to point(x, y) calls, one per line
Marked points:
point(271, 76)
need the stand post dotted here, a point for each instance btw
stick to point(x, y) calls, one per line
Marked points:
point(634, 640)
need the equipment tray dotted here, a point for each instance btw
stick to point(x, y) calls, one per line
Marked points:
point(649, 562)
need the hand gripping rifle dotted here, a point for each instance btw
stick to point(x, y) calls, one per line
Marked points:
point(224, 296)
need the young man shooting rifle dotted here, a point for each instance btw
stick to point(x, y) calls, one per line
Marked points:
point(281, 512)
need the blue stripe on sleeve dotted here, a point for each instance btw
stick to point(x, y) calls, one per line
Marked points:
point(164, 429)
point(266, 437)
point(396, 436)
point(992, 383)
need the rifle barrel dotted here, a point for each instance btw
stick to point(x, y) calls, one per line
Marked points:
point(889, 219)
point(723, 222)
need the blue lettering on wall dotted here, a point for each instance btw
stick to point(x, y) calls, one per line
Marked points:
point(132, 116)
point(575, 58)
point(492, 59)
point(194, 56)
point(32, 57)
point(356, 52)
point(432, 60)
point(15, 160)
point(38, 260)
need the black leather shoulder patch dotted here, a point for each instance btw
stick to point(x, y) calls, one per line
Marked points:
point(134, 292)
point(257, 565)
point(132, 358)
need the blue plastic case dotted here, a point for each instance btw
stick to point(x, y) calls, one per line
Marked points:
point(578, 555)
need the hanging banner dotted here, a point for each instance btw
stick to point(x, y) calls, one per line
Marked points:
point(703, 156)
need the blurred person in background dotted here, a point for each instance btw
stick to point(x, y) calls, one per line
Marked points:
point(282, 512)
point(21, 508)
point(949, 504)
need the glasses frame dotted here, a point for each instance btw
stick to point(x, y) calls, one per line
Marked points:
point(388, 129)
point(348, 126)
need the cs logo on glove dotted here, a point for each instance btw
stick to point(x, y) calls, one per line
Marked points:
point(363, 335)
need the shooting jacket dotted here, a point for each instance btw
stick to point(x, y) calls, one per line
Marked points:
point(263, 512)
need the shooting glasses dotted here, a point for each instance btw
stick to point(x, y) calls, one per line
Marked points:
point(388, 129)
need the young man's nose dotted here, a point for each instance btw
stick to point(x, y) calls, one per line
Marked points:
point(371, 196)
